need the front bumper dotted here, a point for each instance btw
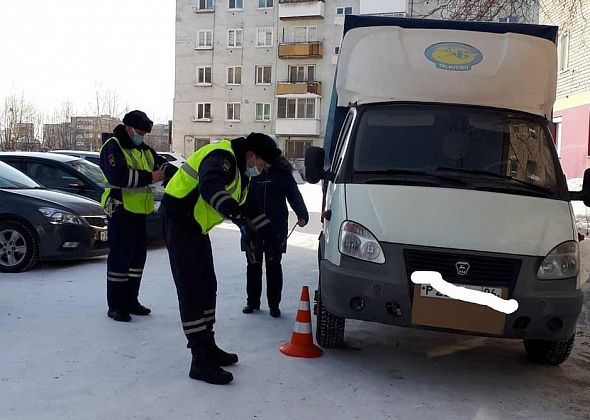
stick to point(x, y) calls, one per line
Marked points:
point(388, 296)
point(53, 237)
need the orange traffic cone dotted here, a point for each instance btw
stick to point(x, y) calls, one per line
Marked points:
point(301, 344)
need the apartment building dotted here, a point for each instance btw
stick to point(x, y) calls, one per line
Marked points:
point(87, 131)
point(256, 65)
point(571, 112)
point(159, 137)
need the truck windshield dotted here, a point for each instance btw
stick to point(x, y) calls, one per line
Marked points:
point(486, 148)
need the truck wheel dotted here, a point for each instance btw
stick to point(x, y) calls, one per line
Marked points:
point(330, 328)
point(19, 247)
point(549, 352)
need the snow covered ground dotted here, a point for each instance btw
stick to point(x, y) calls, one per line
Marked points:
point(62, 358)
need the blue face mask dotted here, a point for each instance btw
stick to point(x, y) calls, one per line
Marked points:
point(252, 172)
point(136, 139)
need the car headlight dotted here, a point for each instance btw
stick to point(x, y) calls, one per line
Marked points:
point(57, 216)
point(563, 262)
point(357, 242)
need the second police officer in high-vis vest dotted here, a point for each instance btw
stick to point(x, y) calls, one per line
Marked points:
point(130, 166)
point(211, 186)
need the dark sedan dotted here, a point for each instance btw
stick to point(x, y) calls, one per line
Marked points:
point(41, 224)
point(76, 176)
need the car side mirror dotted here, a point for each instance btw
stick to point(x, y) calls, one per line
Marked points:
point(314, 165)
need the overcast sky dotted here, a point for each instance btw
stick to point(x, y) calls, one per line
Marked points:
point(58, 50)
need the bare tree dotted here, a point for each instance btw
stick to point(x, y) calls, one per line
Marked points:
point(476, 10)
point(18, 122)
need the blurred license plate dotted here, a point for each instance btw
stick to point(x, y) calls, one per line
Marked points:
point(103, 236)
point(429, 291)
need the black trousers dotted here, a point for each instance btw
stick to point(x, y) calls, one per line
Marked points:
point(274, 277)
point(191, 261)
point(127, 254)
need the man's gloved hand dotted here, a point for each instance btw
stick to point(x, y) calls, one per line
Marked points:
point(247, 228)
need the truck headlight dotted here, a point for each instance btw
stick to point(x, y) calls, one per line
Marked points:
point(57, 216)
point(563, 262)
point(357, 242)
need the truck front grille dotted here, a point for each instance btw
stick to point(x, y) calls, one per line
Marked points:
point(482, 270)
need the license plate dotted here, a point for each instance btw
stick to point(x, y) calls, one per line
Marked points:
point(103, 236)
point(427, 290)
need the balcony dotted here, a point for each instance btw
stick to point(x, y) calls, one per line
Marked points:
point(301, 50)
point(297, 88)
point(297, 9)
point(298, 127)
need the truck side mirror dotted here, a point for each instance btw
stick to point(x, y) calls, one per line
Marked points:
point(586, 188)
point(314, 165)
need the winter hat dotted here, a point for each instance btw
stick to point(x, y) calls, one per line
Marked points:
point(263, 146)
point(139, 120)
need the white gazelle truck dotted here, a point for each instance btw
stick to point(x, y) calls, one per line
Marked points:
point(438, 157)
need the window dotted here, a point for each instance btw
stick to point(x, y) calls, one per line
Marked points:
point(51, 176)
point(556, 131)
point(265, 4)
point(341, 11)
point(205, 39)
point(204, 75)
point(233, 111)
point(264, 37)
point(295, 108)
point(305, 73)
point(262, 112)
point(203, 111)
point(204, 5)
point(234, 38)
point(263, 75)
point(509, 19)
point(300, 34)
point(234, 75)
point(336, 49)
point(236, 4)
point(201, 143)
point(295, 149)
point(563, 52)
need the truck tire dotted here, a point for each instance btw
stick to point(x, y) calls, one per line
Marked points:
point(549, 352)
point(330, 328)
point(19, 247)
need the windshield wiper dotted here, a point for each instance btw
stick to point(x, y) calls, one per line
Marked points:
point(411, 172)
point(496, 175)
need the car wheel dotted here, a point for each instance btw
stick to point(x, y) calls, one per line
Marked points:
point(329, 327)
point(19, 247)
point(549, 352)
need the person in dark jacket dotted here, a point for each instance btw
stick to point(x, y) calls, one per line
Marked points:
point(212, 185)
point(271, 191)
point(130, 167)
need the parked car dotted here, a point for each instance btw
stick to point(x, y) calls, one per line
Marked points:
point(37, 224)
point(75, 176)
point(93, 157)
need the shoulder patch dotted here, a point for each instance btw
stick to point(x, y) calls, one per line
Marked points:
point(112, 160)
point(226, 165)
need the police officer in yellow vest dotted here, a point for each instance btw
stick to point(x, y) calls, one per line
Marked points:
point(129, 166)
point(210, 186)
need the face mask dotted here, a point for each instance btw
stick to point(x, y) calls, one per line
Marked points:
point(252, 171)
point(136, 139)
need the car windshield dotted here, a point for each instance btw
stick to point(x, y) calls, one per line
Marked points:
point(91, 170)
point(11, 178)
point(477, 145)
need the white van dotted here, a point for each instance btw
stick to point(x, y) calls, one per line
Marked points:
point(444, 162)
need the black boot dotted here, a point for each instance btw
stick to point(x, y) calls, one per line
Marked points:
point(203, 368)
point(220, 357)
point(139, 309)
point(248, 309)
point(275, 312)
point(119, 315)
